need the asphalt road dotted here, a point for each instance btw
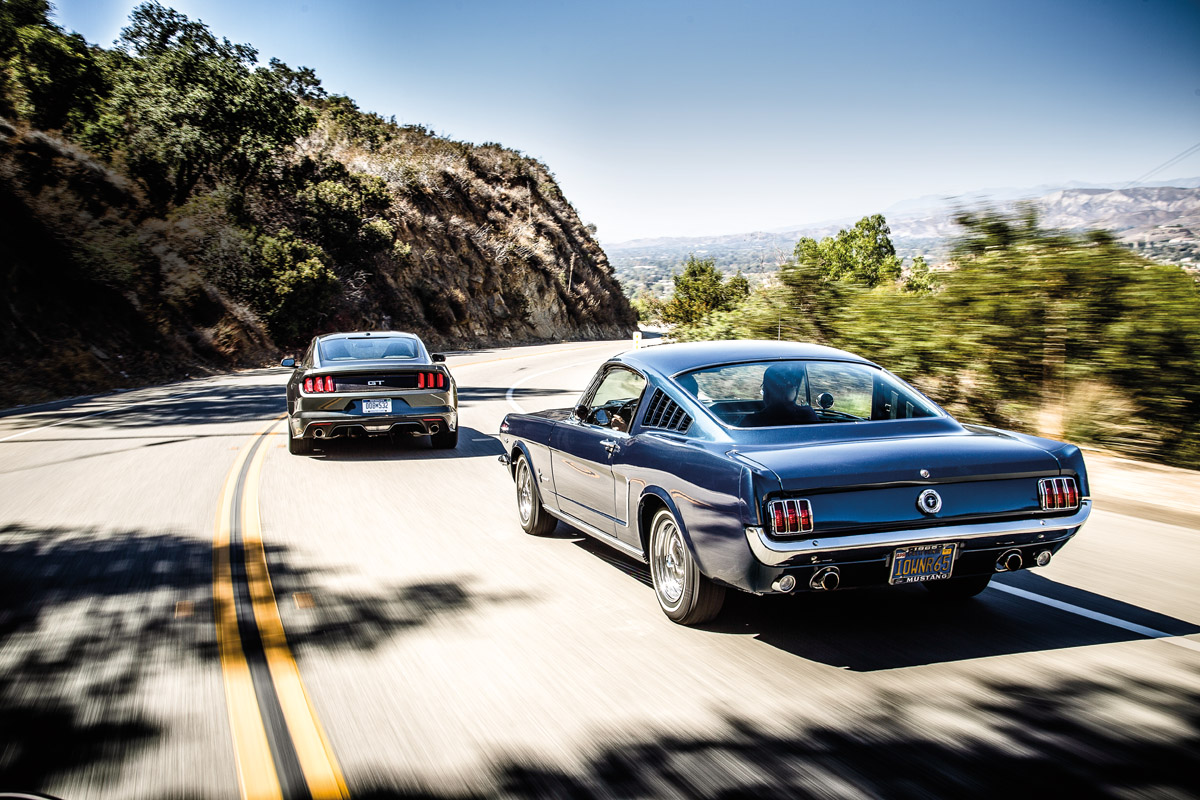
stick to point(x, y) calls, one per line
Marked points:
point(425, 647)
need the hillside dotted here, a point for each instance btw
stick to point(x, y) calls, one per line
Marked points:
point(151, 228)
point(1160, 222)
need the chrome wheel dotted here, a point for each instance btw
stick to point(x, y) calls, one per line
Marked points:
point(534, 518)
point(667, 562)
point(524, 491)
point(684, 593)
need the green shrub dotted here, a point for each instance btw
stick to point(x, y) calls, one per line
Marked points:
point(302, 285)
point(376, 235)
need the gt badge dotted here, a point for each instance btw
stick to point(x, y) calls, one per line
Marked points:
point(929, 501)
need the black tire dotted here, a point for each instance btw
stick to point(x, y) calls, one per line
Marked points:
point(685, 596)
point(299, 447)
point(444, 439)
point(534, 519)
point(958, 588)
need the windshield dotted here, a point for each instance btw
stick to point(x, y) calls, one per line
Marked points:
point(772, 393)
point(375, 348)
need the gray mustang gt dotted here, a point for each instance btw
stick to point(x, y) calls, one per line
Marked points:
point(370, 384)
point(780, 467)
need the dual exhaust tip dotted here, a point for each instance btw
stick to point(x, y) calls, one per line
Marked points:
point(1012, 560)
point(825, 579)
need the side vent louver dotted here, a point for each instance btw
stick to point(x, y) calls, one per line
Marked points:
point(665, 413)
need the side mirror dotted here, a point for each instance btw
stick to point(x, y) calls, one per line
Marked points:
point(437, 358)
point(288, 362)
point(825, 399)
point(581, 413)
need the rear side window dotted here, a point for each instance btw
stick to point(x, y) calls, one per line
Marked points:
point(781, 393)
point(375, 348)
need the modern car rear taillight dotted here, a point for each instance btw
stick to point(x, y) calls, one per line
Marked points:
point(790, 516)
point(431, 380)
point(1057, 494)
point(319, 384)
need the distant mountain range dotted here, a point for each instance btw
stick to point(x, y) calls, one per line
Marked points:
point(1161, 221)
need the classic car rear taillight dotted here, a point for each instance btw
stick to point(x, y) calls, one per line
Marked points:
point(1058, 493)
point(790, 516)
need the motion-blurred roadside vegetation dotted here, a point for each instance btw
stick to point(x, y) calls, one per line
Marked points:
point(1066, 335)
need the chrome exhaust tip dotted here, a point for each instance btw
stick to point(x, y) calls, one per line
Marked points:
point(1043, 558)
point(434, 429)
point(826, 579)
point(319, 433)
point(786, 583)
point(1011, 561)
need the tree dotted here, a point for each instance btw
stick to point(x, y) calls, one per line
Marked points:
point(701, 290)
point(919, 279)
point(187, 106)
point(863, 254)
point(51, 78)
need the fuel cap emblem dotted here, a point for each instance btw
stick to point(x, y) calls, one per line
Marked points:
point(929, 502)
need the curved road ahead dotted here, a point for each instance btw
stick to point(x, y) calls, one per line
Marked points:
point(186, 610)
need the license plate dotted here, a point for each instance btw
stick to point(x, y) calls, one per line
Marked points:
point(377, 406)
point(925, 562)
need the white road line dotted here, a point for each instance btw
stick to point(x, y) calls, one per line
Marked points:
point(509, 394)
point(69, 419)
point(1142, 630)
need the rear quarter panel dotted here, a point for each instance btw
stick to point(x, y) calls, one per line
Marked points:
point(703, 487)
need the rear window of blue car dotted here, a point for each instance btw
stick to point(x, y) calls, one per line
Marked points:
point(776, 393)
point(374, 348)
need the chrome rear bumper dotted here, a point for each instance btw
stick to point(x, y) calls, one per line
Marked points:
point(795, 552)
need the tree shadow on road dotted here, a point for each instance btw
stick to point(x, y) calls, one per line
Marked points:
point(182, 404)
point(1055, 738)
point(89, 618)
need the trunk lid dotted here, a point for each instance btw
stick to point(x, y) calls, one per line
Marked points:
point(874, 484)
point(965, 456)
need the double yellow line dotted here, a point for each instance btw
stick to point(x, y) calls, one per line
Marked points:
point(274, 725)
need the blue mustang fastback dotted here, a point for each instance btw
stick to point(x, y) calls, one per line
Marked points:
point(781, 467)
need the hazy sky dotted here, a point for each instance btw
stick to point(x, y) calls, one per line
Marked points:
point(694, 118)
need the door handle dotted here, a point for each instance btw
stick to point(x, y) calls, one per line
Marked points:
point(608, 444)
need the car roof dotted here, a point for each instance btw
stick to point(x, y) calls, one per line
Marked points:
point(359, 334)
point(672, 359)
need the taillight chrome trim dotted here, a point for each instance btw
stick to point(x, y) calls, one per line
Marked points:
point(790, 516)
point(1058, 494)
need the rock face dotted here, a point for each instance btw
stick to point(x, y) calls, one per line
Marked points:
point(96, 298)
point(485, 250)
point(464, 245)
